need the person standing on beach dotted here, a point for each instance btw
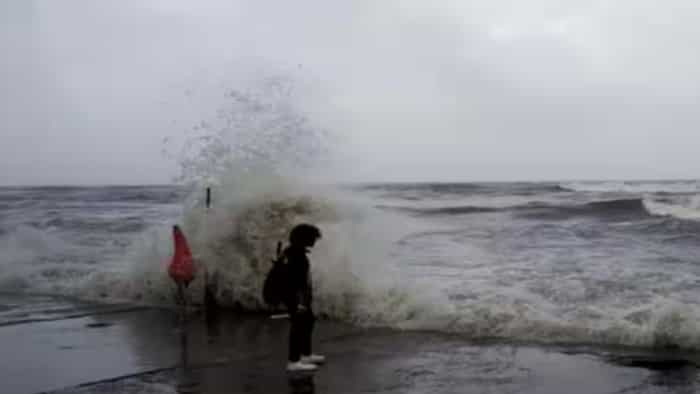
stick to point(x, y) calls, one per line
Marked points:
point(299, 298)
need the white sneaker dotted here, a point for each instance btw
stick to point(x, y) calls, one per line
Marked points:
point(301, 366)
point(313, 359)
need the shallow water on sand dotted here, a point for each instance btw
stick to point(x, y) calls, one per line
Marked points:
point(144, 352)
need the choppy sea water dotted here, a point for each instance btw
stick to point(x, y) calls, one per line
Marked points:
point(594, 263)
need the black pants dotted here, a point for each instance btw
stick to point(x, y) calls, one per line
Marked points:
point(300, 330)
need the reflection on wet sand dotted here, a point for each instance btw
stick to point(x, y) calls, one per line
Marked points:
point(302, 385)
point(246, 354)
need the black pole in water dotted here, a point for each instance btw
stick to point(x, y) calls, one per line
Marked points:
point(209, 281)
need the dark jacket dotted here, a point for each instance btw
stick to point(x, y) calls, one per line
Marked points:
point(300, 291)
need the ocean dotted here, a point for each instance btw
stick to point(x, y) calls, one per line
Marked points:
point(595, 264)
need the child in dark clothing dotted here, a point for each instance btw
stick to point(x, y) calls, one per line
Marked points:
point(299, 298)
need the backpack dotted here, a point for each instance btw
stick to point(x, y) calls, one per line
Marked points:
point(276, 283)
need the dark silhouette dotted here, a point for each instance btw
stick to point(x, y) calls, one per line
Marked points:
point(299, 298)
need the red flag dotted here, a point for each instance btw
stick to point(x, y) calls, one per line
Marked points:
point(181, 267)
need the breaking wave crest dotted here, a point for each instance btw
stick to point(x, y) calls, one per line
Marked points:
point(254, 158)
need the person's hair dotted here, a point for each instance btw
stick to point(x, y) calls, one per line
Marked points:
point(304, 234)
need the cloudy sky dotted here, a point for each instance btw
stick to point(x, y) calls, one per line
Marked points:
point(416, 90)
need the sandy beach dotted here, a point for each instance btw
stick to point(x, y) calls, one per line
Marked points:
point(83, 348)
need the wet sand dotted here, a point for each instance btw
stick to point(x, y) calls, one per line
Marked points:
point(115, 350)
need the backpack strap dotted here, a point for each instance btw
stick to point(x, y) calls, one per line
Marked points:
point(279, 250)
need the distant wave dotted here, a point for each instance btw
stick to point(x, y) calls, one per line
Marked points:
point(630, 209)
point(665, 187)
point(123, 224)
point(634, 207)
point(451, 210)
point(614, 209)
point(414, 191)
point(110, 194)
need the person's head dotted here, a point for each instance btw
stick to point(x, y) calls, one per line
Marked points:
point(304, 235)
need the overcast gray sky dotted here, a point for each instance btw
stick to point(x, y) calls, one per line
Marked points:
point(418, 90)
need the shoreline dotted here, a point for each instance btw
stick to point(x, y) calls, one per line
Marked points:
point(141, 351)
